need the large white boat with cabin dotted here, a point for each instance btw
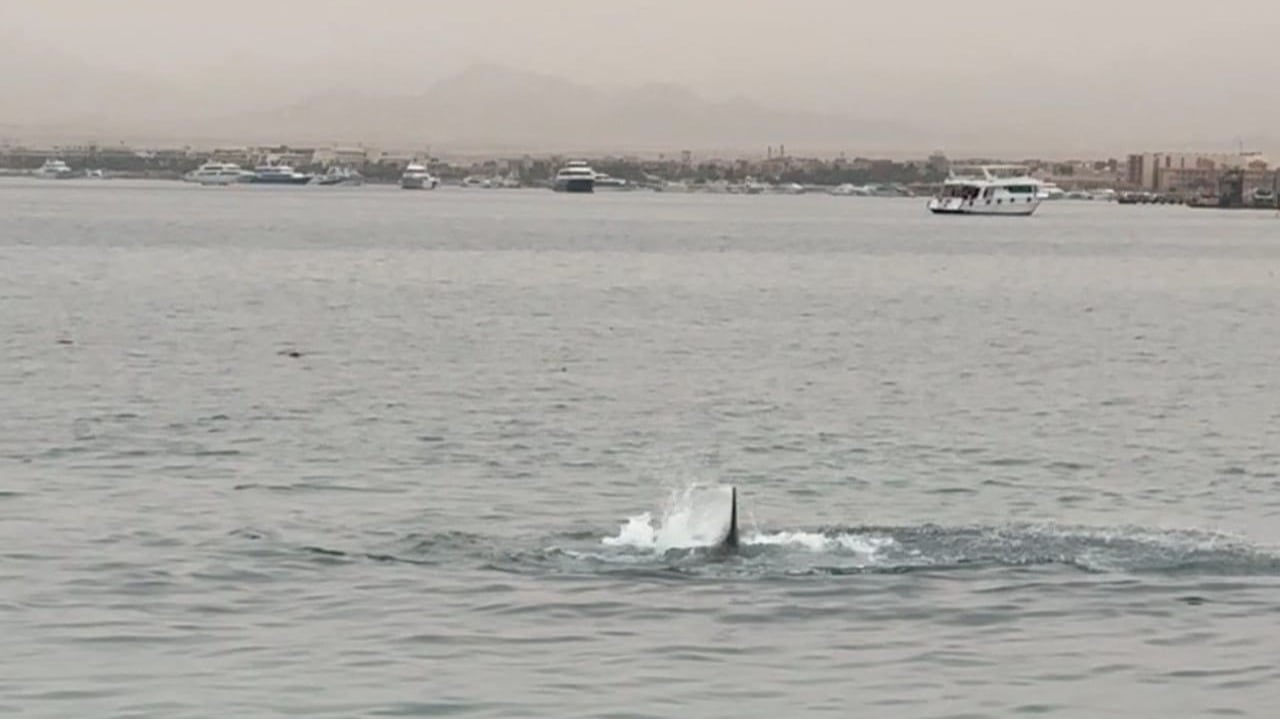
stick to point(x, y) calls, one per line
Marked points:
point(988, 190)
point(575, 176)
point(417, 177)
point(278, 174)
point(218, 173)
point(54, 170)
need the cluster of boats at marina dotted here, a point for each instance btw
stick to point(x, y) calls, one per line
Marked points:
point(229, 173)
point(416, 176)
point(969, 190)
point(576, 176)
point(59, 170)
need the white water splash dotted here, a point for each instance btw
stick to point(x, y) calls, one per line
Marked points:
point(696, 516)
point(816, 542)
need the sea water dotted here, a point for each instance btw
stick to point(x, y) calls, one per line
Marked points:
point(338, 452)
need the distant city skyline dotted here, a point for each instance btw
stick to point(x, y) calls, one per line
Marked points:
point(1097, 80)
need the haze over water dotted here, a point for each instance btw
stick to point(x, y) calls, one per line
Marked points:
point(987, 467)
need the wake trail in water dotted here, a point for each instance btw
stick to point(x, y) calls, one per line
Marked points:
point(685, 535)
point(695, 515)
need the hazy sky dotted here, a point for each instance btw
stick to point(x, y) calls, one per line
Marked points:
point(1080, 73)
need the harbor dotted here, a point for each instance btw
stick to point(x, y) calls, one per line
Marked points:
point(1235, 181)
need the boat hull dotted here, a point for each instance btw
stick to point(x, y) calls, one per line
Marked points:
point(958, 206)
point(216, 179)
point(292, 180)
point(575, 185)
point(418, 183)
point(335, 181)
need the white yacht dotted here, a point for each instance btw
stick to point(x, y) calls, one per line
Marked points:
point(416, 177)
point(218, 173)
point(278, 174)
point(609, 182)
point(576, 176)
point(54, 170)
point(988, 190)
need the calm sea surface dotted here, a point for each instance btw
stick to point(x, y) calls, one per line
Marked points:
point(339, 452)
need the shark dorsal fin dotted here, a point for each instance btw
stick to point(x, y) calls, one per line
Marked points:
point(731, 537)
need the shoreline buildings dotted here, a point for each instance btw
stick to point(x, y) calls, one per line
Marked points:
point(1196, 173)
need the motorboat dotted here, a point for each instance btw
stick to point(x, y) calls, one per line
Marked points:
point(54, 170)
point(988, 190)
point(417, 177)
point(1263, 197)
point(575, 176)
point(218, 173)
point(336, 175)
point(278, 174)
point(608, 182)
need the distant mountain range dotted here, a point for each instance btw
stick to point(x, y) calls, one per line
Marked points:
point(485, 107)
point(499, 108)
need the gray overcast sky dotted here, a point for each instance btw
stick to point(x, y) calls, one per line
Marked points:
point(1083, 73)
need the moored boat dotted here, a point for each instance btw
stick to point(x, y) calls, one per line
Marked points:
point(278, 174)
point(575, 176)
point(417, 177)
point(54, 170)
point(218, 173)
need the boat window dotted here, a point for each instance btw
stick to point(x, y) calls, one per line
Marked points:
point(966, 192)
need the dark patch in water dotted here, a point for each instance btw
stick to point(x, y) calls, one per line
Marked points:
point(1007, 462)
point(325, 552)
